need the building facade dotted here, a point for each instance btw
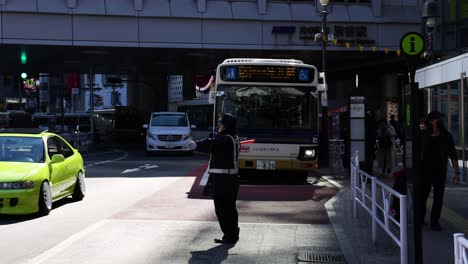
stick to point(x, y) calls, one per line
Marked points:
point(152, 39)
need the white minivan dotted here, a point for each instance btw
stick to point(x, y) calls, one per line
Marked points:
point(168, 132)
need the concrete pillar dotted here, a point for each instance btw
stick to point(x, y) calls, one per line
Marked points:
point(189, 85)
point(390, 91)
point(342, 89)
point(148, 92)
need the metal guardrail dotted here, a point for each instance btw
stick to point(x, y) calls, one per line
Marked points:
point(461, 248)
point(368, 199)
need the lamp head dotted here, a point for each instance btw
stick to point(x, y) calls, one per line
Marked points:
point(431, 22)
point(430, 13)
point(324, 2)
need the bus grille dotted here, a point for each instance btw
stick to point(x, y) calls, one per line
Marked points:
point(169, 137)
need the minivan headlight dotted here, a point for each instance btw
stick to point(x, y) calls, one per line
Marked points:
point(153, 137)
point(186, 137)
point(16, 185)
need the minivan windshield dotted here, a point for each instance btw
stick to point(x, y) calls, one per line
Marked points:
point(169, 120)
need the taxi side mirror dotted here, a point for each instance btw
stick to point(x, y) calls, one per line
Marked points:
point(57, 158)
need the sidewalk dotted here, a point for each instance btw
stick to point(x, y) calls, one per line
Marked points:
point(354, 234)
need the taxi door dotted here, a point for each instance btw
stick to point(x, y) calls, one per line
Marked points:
point(57, 175)
point(71, 164)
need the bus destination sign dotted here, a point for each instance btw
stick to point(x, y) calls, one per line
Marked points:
point(267, 73)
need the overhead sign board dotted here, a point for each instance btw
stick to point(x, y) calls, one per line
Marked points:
point(267, 73)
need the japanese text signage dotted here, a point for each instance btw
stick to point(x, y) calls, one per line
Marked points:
point(267, 73)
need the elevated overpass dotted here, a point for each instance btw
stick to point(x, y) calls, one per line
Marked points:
point(150, 39)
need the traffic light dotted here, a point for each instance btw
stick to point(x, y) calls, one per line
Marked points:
point(24, 75)
point(24, 57)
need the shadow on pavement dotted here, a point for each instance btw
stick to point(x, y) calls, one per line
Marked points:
point(13, 219)
point(214, 255)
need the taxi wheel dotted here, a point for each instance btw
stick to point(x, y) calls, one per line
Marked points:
point(45, 199)
point(80, 190)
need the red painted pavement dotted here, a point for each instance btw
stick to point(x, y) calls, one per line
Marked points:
point(183, 200)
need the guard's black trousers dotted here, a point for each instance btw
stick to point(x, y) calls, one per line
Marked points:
point(435, 180)
point(226, 188)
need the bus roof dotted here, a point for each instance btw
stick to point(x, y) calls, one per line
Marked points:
point(260, 61)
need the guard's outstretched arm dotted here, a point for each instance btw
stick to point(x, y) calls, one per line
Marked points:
point(204, 145)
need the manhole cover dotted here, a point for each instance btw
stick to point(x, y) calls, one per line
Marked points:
point(321, 257)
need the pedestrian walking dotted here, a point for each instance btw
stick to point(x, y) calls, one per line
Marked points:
point(437, 147)
point(386, 146)
point(223, 184)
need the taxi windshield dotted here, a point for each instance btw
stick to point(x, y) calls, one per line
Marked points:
point(21, 149)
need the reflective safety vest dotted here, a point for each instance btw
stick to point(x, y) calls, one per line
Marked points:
point(220, 164)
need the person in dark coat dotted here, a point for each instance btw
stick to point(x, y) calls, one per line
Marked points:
point(437, 147)
point(224, 149)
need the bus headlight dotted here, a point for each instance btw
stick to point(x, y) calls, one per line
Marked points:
point(307, 153)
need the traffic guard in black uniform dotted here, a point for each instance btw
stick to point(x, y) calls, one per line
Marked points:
point(224, 149)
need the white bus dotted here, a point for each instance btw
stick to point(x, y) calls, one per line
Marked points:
point(274, 102)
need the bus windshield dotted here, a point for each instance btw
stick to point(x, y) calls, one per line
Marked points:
point(269, 107)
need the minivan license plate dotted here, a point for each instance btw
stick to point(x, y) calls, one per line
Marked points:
point(266, 165)
point(169, 145)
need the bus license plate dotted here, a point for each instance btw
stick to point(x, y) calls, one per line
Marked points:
point(266, 165)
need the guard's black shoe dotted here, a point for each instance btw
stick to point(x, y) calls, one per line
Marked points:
point(225, 241)
point(436, 226)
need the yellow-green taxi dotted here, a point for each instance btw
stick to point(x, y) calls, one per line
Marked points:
point(36, 169)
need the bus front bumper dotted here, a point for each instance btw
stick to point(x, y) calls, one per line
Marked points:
point(277, 164)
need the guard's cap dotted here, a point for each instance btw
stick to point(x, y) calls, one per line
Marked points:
point(228, 120)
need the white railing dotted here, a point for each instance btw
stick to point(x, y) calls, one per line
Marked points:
point(376, 201)
point(461, 248)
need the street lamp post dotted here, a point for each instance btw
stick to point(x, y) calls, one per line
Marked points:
point(430, 13)
point(325, 8)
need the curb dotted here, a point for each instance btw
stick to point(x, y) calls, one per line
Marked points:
point(343, 241)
